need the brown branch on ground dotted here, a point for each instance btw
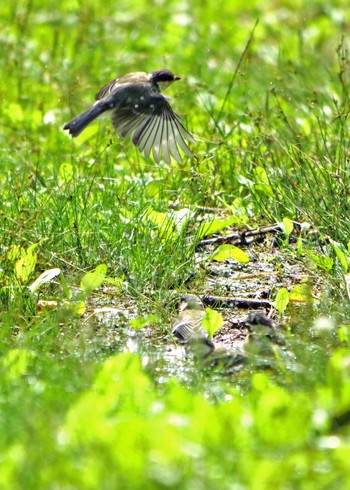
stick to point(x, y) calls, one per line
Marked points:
point(243, 238)
point(244, 303)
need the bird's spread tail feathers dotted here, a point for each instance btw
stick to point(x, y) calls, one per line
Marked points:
point(79, 123)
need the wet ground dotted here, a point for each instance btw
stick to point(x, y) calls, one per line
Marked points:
point(235, 290)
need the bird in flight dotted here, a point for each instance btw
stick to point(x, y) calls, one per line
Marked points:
point(137, 108)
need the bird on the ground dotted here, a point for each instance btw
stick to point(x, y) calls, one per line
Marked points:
point(138, 109)
point(263, 339)
point(189, 331)
point(188, 325)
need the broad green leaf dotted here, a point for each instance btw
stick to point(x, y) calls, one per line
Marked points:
point(15, 112)
point(343, 259)
point(212, 321)
point(154, 187)
point(224, 252)
point(16, 362)
point(322, 261)
point(93, 279)
point(76, 307)
point(65, 288)
point(261, 175)
point(239, 210)
point(36, 118)
point(165, 225)
point(264, 189)
point(281, 300)
point(45, 277)
point(300, 247)
point(304, 124)
point(287, 226)
point(66, 171)
point(214, 226)
point(26, 264)
point(301, 293)
point(15, 252)
point(262, 184)
point(144, 321)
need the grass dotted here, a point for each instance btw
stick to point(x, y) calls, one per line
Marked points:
point(269, 107)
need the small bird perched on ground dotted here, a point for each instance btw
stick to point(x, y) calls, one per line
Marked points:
point(189, 331)
point(263, 337)
point(188, 326)
point(138, 109)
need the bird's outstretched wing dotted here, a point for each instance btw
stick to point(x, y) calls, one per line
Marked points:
point(152, 124)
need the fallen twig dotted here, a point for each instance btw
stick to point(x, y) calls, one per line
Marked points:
point(243, 238)
point(225, 302)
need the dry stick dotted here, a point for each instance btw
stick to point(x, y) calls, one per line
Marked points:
point(225, 302)
point(240, 237)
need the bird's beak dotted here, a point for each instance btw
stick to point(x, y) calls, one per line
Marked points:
point(177, 78)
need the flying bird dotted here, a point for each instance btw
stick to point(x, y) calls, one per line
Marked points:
point(137, 108)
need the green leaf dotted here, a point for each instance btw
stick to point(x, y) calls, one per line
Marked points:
point(15, 112)
point(93, 279)
point(16, 362)
point(15, 252)
point(281, 300)
point(77, 307)
point(322, 261)
point(212, 321)
point(264, 189)
point(144, 321)
point(214, 226)
point(287, 226)
point(66, 172)
point(154, 188)
point(300, 247)
point(301, 293)
point(26, 264)
point(45, 277)
point(165, 226)
point(225, 252)
point(261, 175)
point(341, 256)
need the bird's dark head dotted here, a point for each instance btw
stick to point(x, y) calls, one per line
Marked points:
point(163, 78)
point(190, 302)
